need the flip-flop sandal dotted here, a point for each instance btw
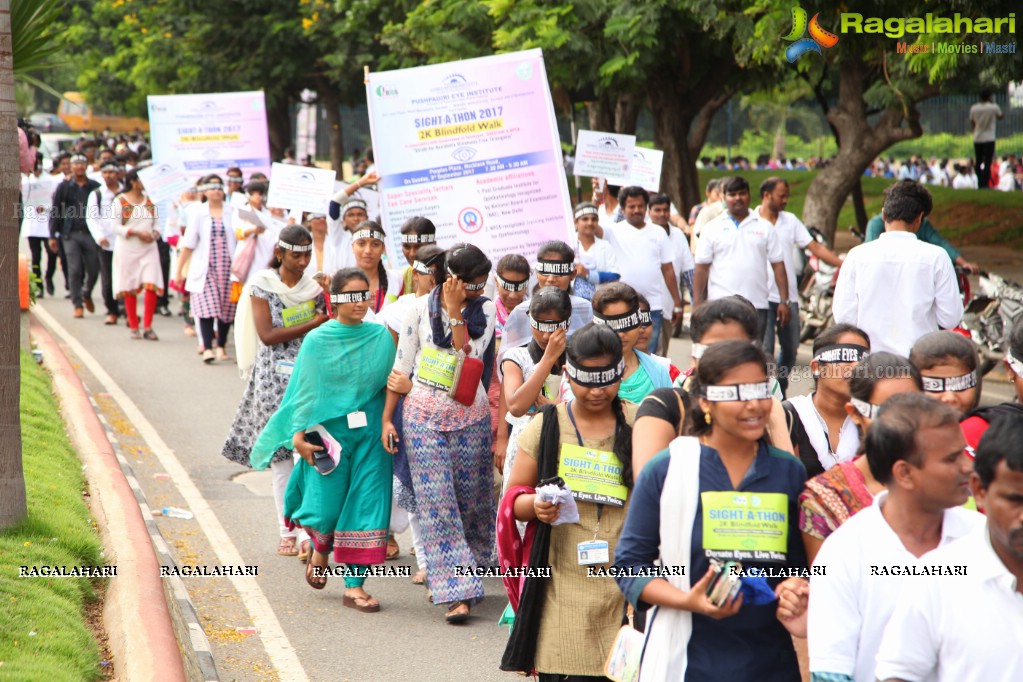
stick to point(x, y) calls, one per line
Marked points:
point(287, 547)
point(353, 603)
point(456, 617)
point(393, 550)
point(419, 578)
point(311, 579)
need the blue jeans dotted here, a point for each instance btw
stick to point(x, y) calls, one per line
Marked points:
point(788, 338)
point(657, 319)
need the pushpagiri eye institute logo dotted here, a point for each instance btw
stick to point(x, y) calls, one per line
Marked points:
point(818, 36)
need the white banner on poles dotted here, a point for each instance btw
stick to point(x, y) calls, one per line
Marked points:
point(210, 133)
point(473, 146)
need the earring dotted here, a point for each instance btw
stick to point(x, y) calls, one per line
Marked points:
point(706, 418)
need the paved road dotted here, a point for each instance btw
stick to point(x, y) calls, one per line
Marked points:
point(302, 633)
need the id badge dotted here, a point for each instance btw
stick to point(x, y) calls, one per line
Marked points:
point(356, 420)
point(284, 367)
point(593, 552)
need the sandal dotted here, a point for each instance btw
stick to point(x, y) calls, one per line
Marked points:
point(287, 547)
point(150, 335)
point(222, 354)
point(365, 607)
point(393, 551)
point(207, 357)
point(420, 577)
point(317, 582)
point(455, 614)
point(135, 335)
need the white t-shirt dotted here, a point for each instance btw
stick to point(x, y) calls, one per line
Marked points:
point(897, 288)
point(791, 231)
point(599, 258)
point(681, 260)
point(965, 181)
point(36, 193)
point(640, 254)
point(957, 627)
point(853, 600)
point(739, 257)
point(984, 115)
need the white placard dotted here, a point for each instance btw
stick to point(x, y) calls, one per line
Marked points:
point(604, 155)
point(164, 181)
point(646, 168)
point(307, 189)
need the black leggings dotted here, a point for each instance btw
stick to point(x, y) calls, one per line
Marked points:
point(206, 329)
point(36, 245)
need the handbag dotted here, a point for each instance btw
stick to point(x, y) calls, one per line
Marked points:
point(622, 663)
point(243, 257)
point(468, 375)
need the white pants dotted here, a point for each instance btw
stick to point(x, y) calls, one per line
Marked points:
point(417, 541)
point(280, 473)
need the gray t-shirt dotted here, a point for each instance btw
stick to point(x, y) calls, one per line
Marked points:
point(984, 115)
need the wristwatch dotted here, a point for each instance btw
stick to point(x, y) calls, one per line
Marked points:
point(679, 310)
point(456, 323)
point(786, 303)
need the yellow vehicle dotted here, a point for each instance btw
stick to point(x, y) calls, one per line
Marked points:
point(81, 118)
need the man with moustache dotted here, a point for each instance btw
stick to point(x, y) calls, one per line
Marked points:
point(970, 627)
point(916, 449)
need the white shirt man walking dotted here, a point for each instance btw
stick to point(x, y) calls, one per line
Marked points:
point(969, 626)
point(898, 288)
point(736, 253)
point(916, 448)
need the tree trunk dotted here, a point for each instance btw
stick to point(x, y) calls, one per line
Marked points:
point(12, 476)
point(859, 144)
point(626, 113)
point(614, 115)
point(328, 99)
point(278, 121)
point(678, 171)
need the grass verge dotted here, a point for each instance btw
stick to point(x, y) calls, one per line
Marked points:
point(963, 216)
point(44, 633)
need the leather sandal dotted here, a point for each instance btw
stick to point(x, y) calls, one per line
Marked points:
point(286, 547)
point(419, 578)
point(364, 607)
point(393, 551)
point(316, 582)
point(455, 614)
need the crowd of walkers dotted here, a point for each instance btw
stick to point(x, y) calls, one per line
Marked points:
point(525, 414)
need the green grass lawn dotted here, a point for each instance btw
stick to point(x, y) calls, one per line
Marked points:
point(43, 633)
point(962, 216)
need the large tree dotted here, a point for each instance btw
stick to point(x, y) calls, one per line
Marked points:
point(681, 60)
point(870, 92)
point(28, 40)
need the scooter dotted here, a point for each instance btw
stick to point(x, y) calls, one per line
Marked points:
point(989, 317)
point(817, 290)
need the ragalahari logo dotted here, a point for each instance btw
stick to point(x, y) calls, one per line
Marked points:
point(818, 36)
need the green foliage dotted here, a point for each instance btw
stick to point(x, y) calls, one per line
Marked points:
point(35, 39)
point(43, 634)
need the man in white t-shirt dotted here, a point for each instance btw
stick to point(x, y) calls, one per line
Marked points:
point(644, 258)
point(969, 625)
point(898, 288)
point(774, 197)
point(736, 254)
point(681, 260)
point(983, 116)
point(914, 447)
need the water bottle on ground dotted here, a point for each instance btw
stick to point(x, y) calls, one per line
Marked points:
point(176, 513)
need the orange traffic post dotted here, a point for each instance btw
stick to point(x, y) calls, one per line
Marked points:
point(23, 282)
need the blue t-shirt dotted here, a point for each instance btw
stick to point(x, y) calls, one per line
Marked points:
point(753, 644)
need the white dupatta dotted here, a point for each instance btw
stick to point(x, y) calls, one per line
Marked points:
point(665, 653)
point(246, 338)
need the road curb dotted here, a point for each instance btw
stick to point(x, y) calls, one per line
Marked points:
point(136, 614)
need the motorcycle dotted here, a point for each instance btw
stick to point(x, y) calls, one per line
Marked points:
point(817, 290)
point(988, 317)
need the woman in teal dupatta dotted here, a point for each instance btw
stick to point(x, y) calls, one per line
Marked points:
point(339, 383)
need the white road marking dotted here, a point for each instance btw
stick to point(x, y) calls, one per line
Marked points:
point(282, 654)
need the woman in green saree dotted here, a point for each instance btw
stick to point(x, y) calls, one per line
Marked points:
point(338, 383)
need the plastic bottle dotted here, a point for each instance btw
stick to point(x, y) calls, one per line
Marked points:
point(175, 512)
